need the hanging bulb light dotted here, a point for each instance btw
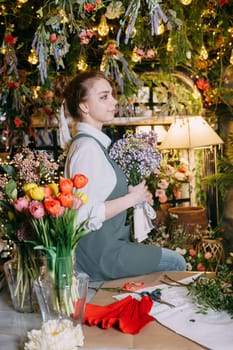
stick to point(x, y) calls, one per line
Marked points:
point(64, 18)
point(82, 64)
point(103, 63)
point(161, 29)
point(231, 58)
point(35, 92)
point(169, 45)
point(103, 28)
point(186, 2)
point(20, 3)
point(203, 53)
point(135, 58)
point(3, 50)
point(2, 10)
point(32, 58)
point(133, 32)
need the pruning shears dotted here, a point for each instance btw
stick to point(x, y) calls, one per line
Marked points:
point(155, 295)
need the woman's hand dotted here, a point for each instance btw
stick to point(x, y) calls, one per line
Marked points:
point(136, 195)
point(140, 193)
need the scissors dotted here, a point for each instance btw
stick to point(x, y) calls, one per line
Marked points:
point(155, 295)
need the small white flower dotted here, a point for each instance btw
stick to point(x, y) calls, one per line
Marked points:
point(188, 55)
point(181, 251)
point(189, 267)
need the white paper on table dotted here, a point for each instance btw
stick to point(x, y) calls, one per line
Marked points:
point(213, 330)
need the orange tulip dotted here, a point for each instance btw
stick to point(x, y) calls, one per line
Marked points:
point(52, 206)
point(80, 180)
point(65, 185)
point(66, 199)
point(48, 192)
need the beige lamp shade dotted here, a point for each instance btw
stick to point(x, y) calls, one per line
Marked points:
point(160, 131)
point(190, 132)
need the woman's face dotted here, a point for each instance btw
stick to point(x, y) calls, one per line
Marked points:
point(100, 105)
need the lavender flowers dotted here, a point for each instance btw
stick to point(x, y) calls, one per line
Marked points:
point(136, 154)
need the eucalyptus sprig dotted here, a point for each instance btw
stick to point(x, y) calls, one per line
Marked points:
point(215, 293)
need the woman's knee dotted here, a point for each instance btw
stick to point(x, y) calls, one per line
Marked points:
point(171, 261)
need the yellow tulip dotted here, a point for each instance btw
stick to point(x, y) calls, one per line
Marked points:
point(83, 196)
point(37, 193)
point(29, 186)
point(28, 197)
point(54, 188)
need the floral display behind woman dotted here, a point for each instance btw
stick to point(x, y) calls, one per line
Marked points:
point(107, 252)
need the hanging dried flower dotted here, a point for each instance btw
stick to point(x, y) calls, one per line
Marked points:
point(114, 10)
point(132, 13)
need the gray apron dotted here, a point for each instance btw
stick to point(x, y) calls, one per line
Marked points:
point(108, 253)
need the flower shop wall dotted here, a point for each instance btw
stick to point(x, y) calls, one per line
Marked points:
point(120, 37)
point(126, 40)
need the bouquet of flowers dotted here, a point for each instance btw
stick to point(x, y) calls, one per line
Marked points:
point(24, 167)
point(38, 213)
point(168, 182)
point(138, 157)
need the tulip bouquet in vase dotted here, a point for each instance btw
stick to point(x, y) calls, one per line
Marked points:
point(24, 167)
point(39, 211)
point(54, 222)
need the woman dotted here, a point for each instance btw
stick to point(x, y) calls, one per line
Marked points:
point(107, 252)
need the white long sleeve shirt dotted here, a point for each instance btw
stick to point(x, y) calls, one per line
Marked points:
point(86, 157)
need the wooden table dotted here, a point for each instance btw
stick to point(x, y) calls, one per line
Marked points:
point(152, 336)
point(14, 325)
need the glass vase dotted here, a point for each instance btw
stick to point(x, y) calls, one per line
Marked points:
point(61, 292)
point(20, 273)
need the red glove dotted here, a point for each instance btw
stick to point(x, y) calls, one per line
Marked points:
point(128, 314)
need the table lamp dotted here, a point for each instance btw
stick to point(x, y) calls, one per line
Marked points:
point(189, 133)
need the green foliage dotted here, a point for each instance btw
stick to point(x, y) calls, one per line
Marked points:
point(215, 293)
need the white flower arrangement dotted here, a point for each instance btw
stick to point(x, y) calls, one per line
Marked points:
point(55, 335)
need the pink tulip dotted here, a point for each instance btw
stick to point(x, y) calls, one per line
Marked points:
point(36, 209)
point(61, 212)
point(21, 204)
point(77, 203)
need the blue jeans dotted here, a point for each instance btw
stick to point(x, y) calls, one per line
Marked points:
point(171, 261)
